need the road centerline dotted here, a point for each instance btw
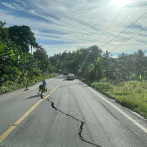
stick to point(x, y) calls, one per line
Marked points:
point(13, 126)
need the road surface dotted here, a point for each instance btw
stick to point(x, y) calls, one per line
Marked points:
point(70, 115)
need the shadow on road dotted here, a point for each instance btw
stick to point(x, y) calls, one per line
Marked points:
point(71, 84)
point(85, 86)
point(68, 85)
point(38, 95)
point(60, 77)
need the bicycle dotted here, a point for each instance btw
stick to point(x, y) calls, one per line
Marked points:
point(42, 89)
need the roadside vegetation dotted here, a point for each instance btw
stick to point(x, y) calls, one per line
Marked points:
point(123, 78)
point(19, 66)
point(131, 94)
point(9, 86)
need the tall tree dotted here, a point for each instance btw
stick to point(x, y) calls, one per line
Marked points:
point(3, 31)
point(22, 36)
point(42, 59)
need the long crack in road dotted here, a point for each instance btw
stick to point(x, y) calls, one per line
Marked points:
point(81, 126)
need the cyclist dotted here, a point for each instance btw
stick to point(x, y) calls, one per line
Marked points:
point(42, 88)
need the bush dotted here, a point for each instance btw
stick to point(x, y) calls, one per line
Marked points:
point(4, 89)
point(131, 94)
point(12, 72)
point(36, 72)
point(5, 77)
point(8, 85)
point(103, 87)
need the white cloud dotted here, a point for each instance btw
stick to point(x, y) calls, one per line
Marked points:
point(79, 22)
point(8, 5)
point(13, 6)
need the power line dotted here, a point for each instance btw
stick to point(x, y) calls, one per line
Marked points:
point(126, 17)
point(112, 21)
point(124, 30)
point(129, 39)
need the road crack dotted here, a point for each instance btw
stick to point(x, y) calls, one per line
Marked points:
point(81, 126)
point(109, 110)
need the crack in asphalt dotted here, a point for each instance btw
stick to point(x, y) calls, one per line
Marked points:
point(81, 126)
point(109, 110)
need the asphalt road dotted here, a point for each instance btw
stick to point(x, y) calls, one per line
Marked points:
point(70, 115)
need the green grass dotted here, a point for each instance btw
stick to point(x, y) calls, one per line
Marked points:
point(9, 86)
point(131, 94)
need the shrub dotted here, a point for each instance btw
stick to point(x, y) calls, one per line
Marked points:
point(12, 72)
point(8, 85)
point(36, 72)
point(103, 87)
point(131, 94)
point(5, 77)
point(4, 89)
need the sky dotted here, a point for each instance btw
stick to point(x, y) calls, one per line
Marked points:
point(117, 26)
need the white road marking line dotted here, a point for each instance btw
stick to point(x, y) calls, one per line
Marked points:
point(127, 116)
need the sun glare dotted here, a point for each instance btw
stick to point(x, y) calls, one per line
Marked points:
point(119, 3)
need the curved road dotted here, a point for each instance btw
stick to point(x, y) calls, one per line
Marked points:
point(70, 115)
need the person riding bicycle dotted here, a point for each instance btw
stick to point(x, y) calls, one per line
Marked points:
point(42, 88)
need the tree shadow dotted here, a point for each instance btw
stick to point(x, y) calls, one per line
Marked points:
point(86, 86)
point(60, 77)
point(67, 85)
point(26, 89)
